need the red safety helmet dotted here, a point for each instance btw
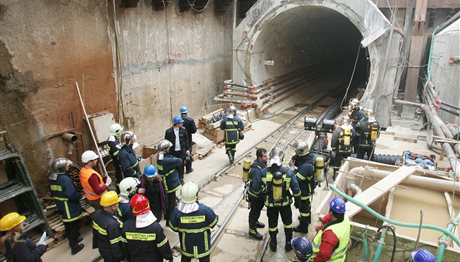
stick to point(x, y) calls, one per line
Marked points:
point(139, 204)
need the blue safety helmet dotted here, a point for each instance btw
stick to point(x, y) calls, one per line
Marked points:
point(423, 255)
point(183, 109)
point(303, 248)
point(150, 171)
point(337, 205)
point(178, 119)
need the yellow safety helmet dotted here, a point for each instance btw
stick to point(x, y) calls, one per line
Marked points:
point(109, 198)
point(10, 221)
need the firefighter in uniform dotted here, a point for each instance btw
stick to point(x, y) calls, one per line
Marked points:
point(278, 180)
point(143, 237)
point(128, 187)
point(114, 150)
point(91, 181)
point(342, 142)
point(190, 126)
point(193, 221)
point(128, 160)
point(67, 200)
point(333, 236)
point(304, 163)
point(168, 166)
point(256, 200)
point(233, 128)
point(107, 227)
point(368, 132)
point(355, 113)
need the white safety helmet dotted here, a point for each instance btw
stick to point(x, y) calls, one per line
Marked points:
point(276, 156)
point(164, 145)
point(128, 186)
point(88, 156)
point(232, 109)
point(301, 148)
point(189, 192)
point(127, 137)
point(354, 102)
point(115, 129)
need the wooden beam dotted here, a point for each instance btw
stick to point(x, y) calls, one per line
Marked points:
point(380, 188)
point(431, 3)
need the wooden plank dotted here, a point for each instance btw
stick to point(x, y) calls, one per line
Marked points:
point(377, 190)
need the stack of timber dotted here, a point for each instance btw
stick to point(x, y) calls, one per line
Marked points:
point(210, 124)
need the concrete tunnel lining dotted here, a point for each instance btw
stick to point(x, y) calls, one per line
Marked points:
point(308, 36)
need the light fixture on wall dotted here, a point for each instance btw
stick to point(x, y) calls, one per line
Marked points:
point(269, 62)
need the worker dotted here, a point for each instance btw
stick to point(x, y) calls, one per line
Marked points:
point(303, 248)
point(304, 163)
point(333, 236)
point(114, 150)
point(193, 221)
point(168, 166)
point(177, 135)
point(190, 126)
point(423, 255)
point(152, 187)
point(67, 200)
point(128, 160)
point(92, 182)
point(107, 227)
point(278, 180)
point(256, 199)
point(128, 187)
point(355, 113)
point(143, 237)
point(15, 243)
point(342, 141)
point(368, 132)
point(233, 128)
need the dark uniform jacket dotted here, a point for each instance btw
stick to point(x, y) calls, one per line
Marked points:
point(124, 212)
point(114, 150)
point(288, 182)
point(129, 162)
point(356, 115)
point(194, 230)
point(304, 173)
point(108, 231)
point(65, 196)
point(337, 141)
point(24, 250)
point(190, 126)
point(363, 128)
point(145, 244)
point(167, 169)
point(254, 174)
point(183, 138)
point(232, 127)
point(155, 193)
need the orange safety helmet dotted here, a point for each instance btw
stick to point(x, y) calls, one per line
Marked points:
point(139, 205)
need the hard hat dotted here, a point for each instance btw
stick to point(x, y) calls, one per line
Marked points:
point(150, 171)
point(337, 205)
point(115, 129)
point(354, 102)
point(164, 145)
point(183, 110)
point(422, 255)
point(302, 248)
point(276, 156)
point(189, 192)
point(177, 120)
point(232, 109)
point(60, 165)
point(88, 156)
point(139, 204)
point(109, 198)
point(127, 137)
point(301, 148)
point(128, 186)
point(11, 220)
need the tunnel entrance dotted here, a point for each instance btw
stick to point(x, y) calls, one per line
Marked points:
point(309, 46)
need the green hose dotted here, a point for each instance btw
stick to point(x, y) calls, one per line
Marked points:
point(443, 241)
point(365, 248)
point(401, 224)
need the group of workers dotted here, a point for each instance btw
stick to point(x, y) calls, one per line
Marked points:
point(126, 225)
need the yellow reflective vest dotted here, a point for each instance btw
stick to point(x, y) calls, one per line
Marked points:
point(342, 231)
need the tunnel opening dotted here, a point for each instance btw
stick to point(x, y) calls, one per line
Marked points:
point(309, 49)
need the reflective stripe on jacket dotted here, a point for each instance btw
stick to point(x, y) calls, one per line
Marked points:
point(167, 169)
point(85, 174)
point(65, 196)
point(107, 227)
point(342, 231)
point(278, 189)
point(231, 128)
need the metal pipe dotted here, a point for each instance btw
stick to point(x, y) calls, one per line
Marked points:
point(334, 188)
point(450, 228)
point(356, 189)
point(406, 103)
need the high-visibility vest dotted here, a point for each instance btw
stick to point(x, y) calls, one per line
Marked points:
point(342, 231)
point(85, 174)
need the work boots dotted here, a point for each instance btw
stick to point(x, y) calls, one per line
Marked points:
point(273, 242)
point(302, 227)
point(288, 233)
point(230, 157)
point(254, 234)
point(260, 224)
